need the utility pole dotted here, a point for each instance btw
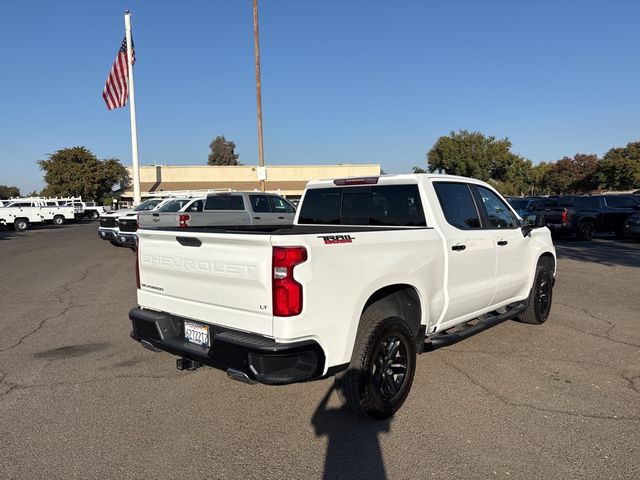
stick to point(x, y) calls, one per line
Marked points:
point(256, 45)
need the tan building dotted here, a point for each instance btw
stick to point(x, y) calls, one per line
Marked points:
point(286, 180)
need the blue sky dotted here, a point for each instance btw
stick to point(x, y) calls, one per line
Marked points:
point(344, 81)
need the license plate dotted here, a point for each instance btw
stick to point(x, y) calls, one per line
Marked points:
point(196, 333)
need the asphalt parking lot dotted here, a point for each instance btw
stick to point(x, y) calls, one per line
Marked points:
point(80, 399)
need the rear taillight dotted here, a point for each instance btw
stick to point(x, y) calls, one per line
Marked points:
point(287, 293)
point(137, 264)
point(565, 217)
point(184, 221)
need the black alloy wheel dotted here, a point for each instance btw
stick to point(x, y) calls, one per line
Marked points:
point(587, 231)
point(383, 363)
point(389, 368)
point(541, 295)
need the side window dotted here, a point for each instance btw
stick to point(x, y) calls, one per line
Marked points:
point(224, 202)
point(587, 202)
point(196, 206)
point(458, 205)
point(621, 202)
point(498, 214)
point(259, 203)
point(280, 205)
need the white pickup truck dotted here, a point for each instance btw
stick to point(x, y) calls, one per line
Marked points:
point(373, 271)
point(109, 230)
point(224, 208)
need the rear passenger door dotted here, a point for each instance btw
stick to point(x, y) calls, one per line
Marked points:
point(260, 209)
point(471, 252)
point(282, 210)
point(512, 252)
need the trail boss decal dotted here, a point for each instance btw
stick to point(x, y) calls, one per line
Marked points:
point(331, 239)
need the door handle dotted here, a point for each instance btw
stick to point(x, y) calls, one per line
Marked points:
point(189, 241)
point(280, 218)
point(257, 218)
point(458, 248)
point(502, 243)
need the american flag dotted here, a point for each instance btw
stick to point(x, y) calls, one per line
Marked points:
point(116, 89)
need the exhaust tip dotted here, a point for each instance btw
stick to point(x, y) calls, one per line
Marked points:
point(234, 374)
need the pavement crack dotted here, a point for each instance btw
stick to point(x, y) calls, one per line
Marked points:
point(631, 381)
point(606, 335)
point(511, 403)
point(35, 330)
point(60, 297)
point(13, 386)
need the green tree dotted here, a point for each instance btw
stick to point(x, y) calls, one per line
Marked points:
point(586, 169)
point(77, 171)
point(577, 174)
point(222, 152)
point(472, 154)
point(539, 185)
point(7, 192)
point(620, 168)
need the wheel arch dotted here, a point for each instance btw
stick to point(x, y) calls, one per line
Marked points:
point(400, 299)
point(548, 256)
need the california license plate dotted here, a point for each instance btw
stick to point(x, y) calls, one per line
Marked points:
point(196, 333)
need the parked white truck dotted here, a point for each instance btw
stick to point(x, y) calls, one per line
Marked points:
point(373, 271)
point(108, 229)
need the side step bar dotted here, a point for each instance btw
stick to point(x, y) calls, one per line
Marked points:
point(469, 329)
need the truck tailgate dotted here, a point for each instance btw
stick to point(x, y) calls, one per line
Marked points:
point(217, 278)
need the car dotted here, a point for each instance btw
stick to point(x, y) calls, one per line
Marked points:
point(523, 205)
point(632, 226)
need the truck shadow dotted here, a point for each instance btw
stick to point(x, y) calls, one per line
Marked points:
point(353, 450)
point(6, 233)
point(606, 251)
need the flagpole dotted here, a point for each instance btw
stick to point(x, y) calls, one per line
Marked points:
point(256, 45)
point(132, 111)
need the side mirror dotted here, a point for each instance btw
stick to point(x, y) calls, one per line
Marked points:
point(532, 221)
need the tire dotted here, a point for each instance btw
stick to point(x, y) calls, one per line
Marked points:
point(541, 295)
point(586, 231)
point(58, 220)
point(21, 225)
point(93, 214)
point(383, 363)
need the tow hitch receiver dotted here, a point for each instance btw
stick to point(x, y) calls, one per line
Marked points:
point(187, 364)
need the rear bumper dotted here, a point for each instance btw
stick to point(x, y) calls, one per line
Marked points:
point(559, 227)
point(261, 359)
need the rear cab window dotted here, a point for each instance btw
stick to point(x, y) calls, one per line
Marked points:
point(382, 205)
